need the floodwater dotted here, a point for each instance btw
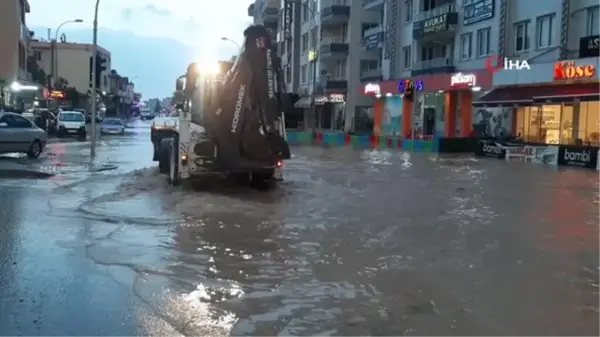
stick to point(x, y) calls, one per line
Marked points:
point(351, 243)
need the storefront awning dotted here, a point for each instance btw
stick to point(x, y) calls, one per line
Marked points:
point(303, 103)
point(523, 96)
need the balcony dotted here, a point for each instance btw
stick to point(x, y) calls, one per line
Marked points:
point(334, 85)
point(438, 11)
point(373, 38)
point(333, 48)
point(335, 14)
point(371, 75)
point(270, 15)
point(433, 66)
point(24, 34)
point(374, 5)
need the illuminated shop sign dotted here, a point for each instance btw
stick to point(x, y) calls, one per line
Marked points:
point(372, 89)
point(55, 94)
point(571, 71)
point(408, 85)
point(461, 80)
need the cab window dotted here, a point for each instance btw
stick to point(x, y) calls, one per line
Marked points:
point(13, 121)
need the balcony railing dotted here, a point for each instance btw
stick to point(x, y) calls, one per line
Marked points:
point(370, 73)
point(373, 31)
point(372, 2)
point(443, 9)
point(332, 40)
point(433, 63)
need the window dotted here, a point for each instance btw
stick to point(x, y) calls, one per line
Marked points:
point(304, 42)
point(305, 11)
point(407, 57)
point(340, 69)
point(288, 75)
point(13, 121)
point(544, 31)
point(521, 36)
point(466, 46)
point(426, 53)
point(409, 10)
point(304, 74)
point(366, 65)
point(483, 42)
point(70, 117)
point(559, 124)
point(428, 5)
point(593, 24)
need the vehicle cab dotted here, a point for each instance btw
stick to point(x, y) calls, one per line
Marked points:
point(70, 123)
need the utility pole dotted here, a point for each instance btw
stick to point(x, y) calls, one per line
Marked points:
point(94, 95)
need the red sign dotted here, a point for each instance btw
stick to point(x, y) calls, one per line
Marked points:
point(571, 71)
point(55, 94)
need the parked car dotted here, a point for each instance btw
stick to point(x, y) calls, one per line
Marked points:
point(70, 123)
point(112, 126)
point(146, 114)
point(19, 134)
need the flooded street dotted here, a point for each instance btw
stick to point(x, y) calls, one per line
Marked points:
point(351, 243)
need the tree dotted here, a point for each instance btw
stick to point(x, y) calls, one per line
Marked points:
point(38, 75)
point(72, 95)
point(61, 84)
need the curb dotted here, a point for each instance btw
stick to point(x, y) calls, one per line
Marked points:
point(106, 167)
point(16, 173)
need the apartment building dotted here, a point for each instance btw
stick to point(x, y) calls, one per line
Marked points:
point(266, 13)
point(73, 63)
point(14, 45)
point(441, 58)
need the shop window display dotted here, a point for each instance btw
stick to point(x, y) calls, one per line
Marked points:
point(573, 123)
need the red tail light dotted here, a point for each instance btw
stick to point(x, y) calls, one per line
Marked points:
point(279, 164)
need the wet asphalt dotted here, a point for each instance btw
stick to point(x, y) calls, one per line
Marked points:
point(351, 243)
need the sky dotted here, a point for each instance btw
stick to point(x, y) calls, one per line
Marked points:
point(193, 27)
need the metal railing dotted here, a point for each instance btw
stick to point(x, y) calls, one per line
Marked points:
point(332, 39)
point(370, 2)
point(370, 73)
point(373, 31)
point(433, 63)
point(443, 9)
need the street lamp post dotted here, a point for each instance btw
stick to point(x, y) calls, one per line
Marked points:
point(232, 41)
point(313, 58)
point(54, 51)
point(94, 95)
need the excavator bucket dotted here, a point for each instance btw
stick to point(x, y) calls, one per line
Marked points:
point(250, 106)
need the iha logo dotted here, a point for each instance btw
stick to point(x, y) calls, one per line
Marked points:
point(496, 63)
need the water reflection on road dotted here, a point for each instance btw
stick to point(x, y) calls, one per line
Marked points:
point(351, 243)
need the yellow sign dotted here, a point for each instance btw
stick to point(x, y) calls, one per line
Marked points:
point(312, 56)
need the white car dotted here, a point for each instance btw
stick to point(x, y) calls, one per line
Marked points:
point(70, 123)
point(19, 134)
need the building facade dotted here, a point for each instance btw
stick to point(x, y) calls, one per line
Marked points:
point(442, 58)
point(73, 63)
point(14, 46)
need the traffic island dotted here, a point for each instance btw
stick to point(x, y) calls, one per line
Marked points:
point(12, 170)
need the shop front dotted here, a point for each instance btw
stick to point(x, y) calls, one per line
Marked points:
point(550, 114)
point(428, 106)
point(329, 111)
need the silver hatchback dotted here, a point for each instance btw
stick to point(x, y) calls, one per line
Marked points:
point(19, 134)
